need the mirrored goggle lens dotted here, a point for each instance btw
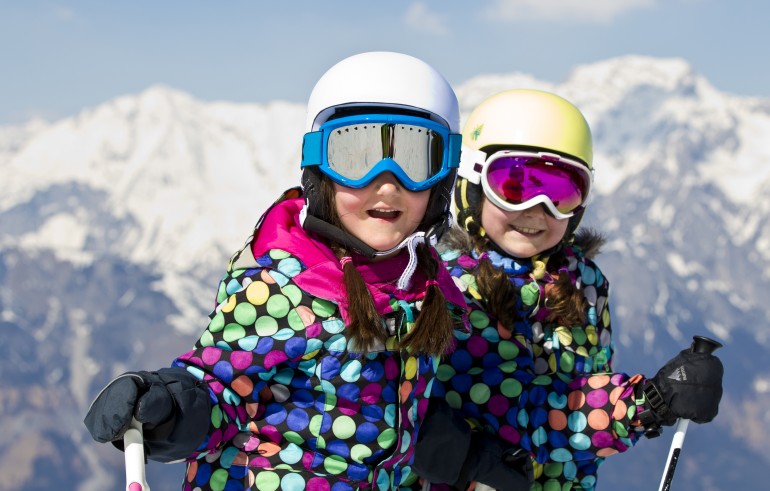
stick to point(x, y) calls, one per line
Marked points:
point(517, 180)
point(353, 150)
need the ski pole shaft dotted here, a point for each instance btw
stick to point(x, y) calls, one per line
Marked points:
point(133, 443)
point(700, 344)
point(673, 453)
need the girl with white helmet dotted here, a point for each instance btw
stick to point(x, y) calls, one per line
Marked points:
point(315, 369)
point(536, 367)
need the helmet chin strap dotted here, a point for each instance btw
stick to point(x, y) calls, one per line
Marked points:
point(429, 237)
point(326, 230)
point(316, 225)
point(411, 243)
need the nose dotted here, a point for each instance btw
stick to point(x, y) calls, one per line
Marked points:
point(534, 211)
point(387, 182)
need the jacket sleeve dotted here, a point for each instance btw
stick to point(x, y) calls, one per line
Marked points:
point(597, 295)
point(256, 337)
point(593, 417)
point(585, 349)
point(576, 476)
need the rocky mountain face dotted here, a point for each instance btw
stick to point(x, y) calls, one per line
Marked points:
point(116, 223)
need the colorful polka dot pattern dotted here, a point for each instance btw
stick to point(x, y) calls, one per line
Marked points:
point(537, 387)
point(293, 406)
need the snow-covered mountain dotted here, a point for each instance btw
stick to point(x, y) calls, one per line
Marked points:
point(157, 179)
point(116, 223)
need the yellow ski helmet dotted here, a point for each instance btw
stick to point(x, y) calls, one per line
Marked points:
point(530, 118)
point(518, 119)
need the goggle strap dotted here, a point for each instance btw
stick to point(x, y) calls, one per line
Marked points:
point(471, 164)
point(312, 149)
point(455, 149)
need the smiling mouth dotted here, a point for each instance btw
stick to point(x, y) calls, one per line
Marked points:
point(525, 230)
point(384, 214)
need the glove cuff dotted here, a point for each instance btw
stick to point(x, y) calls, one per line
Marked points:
point(653, 411)
point(655, 400)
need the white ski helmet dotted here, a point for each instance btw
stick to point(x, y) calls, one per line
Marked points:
point(383, 79)
point(380, 82)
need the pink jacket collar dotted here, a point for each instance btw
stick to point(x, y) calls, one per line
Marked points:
point(280, 228)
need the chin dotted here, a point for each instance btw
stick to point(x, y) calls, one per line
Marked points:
point(520, 252)
point(385, 244)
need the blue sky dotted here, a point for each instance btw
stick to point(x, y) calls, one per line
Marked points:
point(57, 57)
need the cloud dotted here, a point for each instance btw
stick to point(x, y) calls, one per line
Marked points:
point(574, 11)
point(420, 18)
point(64, 14)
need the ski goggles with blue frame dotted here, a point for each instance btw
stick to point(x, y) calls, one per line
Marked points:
point(354, 150)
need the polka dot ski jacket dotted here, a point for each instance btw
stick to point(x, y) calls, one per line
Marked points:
point(293, 406)
point(546, 388)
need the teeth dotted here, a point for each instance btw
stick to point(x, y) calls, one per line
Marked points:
point(380, 213)
point(525, 230)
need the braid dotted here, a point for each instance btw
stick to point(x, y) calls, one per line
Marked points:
point(566, 303)
point(492, 283)
point(498, 291)
point(366, 326)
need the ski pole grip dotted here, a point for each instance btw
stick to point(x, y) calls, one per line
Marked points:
point(702, 344)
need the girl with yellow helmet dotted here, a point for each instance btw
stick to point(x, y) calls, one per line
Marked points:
point(536, 367)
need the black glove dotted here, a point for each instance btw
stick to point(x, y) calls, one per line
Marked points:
point(442, 444)
point(448, 452)
point(490, 462)
point(688, 386)
point(171, 404)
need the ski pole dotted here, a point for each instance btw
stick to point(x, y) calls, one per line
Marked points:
point(133, 443)
point(700, 344)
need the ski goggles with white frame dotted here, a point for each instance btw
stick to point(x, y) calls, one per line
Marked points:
point(516, 180)
point(354, 150)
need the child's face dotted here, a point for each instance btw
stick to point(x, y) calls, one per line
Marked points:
point(522, 234)
point(383, 213)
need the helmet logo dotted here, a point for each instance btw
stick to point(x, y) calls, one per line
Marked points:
point(477, 132)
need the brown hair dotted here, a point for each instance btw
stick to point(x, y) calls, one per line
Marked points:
point(433, 329)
